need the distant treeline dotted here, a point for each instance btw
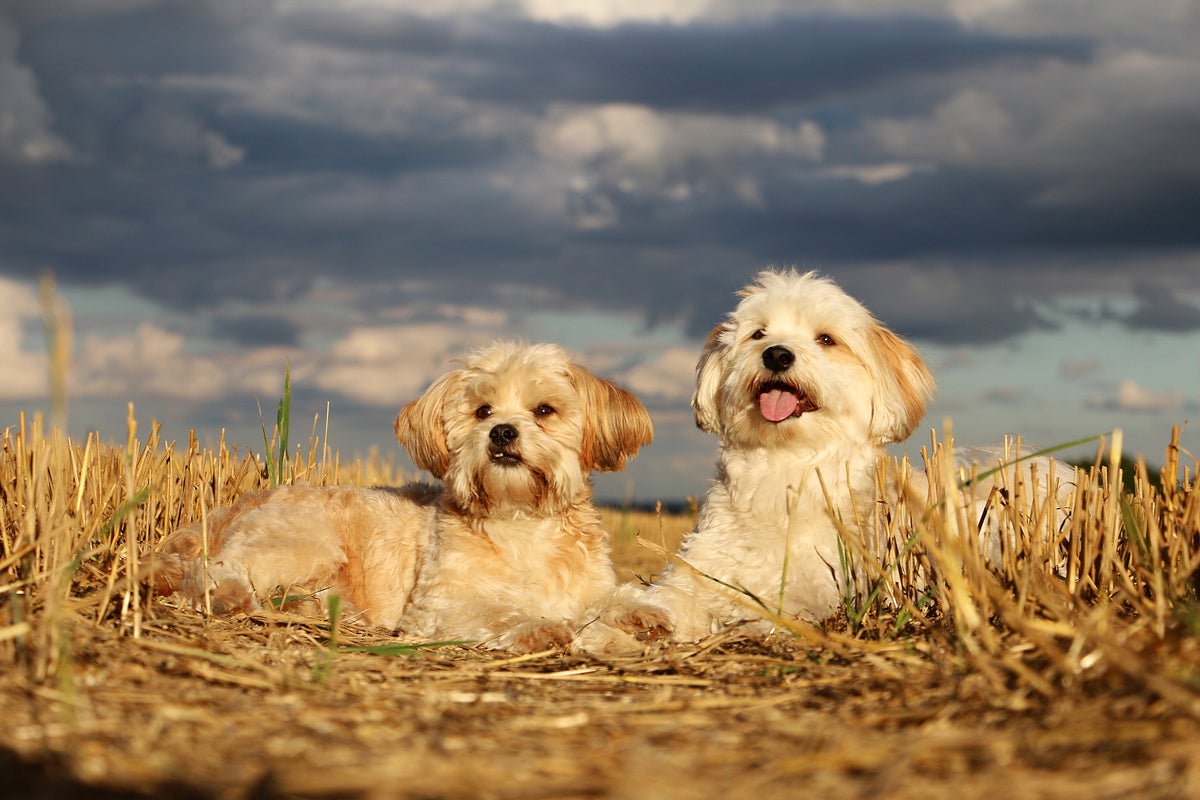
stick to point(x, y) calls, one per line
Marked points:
point(689, 505)
point(1128, 471)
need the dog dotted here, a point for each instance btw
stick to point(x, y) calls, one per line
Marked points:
point(509, 552)
point(804, 388)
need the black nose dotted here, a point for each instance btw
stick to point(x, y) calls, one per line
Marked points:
point(503, 435)
point(778, 358)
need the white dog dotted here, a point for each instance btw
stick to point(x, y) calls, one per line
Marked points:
point(509, 553)
point(804, 388)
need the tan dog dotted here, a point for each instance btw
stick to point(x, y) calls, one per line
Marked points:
point(509, 553)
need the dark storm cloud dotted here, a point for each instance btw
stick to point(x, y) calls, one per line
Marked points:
point(101, 77)
point(195, 240)
point(1159, 309)
point(974, 310)
point(98, 71)
point(952, 210)
point(964, 216)
point(257, 330)
point(187, 196)
point(741, 66)
point(388, 31)
point(193, 178)
point(145, 39)
point(301, 146)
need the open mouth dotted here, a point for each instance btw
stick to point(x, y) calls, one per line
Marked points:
point(504, 458)
point(778, 401)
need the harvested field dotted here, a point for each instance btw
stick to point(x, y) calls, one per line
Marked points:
point(980, 680)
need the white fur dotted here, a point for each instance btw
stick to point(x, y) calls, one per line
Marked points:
point(767, 525)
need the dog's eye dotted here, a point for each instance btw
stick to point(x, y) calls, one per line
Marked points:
point(544, 410)
point(483, 412)
point(758, 334)
point(825, 340)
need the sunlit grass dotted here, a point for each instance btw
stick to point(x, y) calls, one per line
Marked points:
point(77, 516)
point(1073, 607)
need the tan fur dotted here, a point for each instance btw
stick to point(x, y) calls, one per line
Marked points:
point(708, 374)
point(902, 387)
point(509, 552)
point(419, 425)
point(619, 427)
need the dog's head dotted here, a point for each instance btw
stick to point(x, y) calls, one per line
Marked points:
point(801, 363)
point(519, 427)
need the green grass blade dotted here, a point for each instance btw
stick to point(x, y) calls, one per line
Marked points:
point(283, 417)
point(323, 666)
point(126, 508)
point(276, 457)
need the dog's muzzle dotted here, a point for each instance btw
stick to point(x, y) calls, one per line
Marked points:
point(779, 399)
point(501, 445)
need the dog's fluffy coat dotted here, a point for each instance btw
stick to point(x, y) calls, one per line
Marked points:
point(510, 552)
point(804, 388)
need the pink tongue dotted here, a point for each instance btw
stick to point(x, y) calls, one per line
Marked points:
point(777, 405)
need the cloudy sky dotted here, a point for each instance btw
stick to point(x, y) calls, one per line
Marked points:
point(366, 188)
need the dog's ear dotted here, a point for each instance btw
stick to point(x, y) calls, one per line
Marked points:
point(420, 427)
point(710, 369)
point(903, 387)
point(615, 423)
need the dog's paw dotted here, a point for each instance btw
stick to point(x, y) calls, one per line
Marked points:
point(600, 639)
point(230, 597)
point(535, 636)
point(646, 623)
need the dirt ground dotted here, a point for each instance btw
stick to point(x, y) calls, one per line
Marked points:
point(257, 707)
point(102, 699)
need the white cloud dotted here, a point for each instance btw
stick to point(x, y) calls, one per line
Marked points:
point(635, 140)
point(150, 360)
point(631, 149)
point(971, 127)
point(1131, 396)
point(876, 174)
point(604, 13)
point(379, 365)
point(1082, 127)
point(390, 365)
point(383, 357)
point(668, 374)
point(23, 374)
point(1171, 28)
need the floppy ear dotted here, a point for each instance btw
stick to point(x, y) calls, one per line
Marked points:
point(419, 426)
point(903, 386)
point(706, 405)
point(615, 423)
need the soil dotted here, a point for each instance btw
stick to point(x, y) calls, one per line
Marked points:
point(257, 707)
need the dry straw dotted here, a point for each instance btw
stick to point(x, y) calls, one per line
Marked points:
point(1069, 660)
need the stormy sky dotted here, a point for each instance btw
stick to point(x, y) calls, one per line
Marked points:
point(366, 188)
